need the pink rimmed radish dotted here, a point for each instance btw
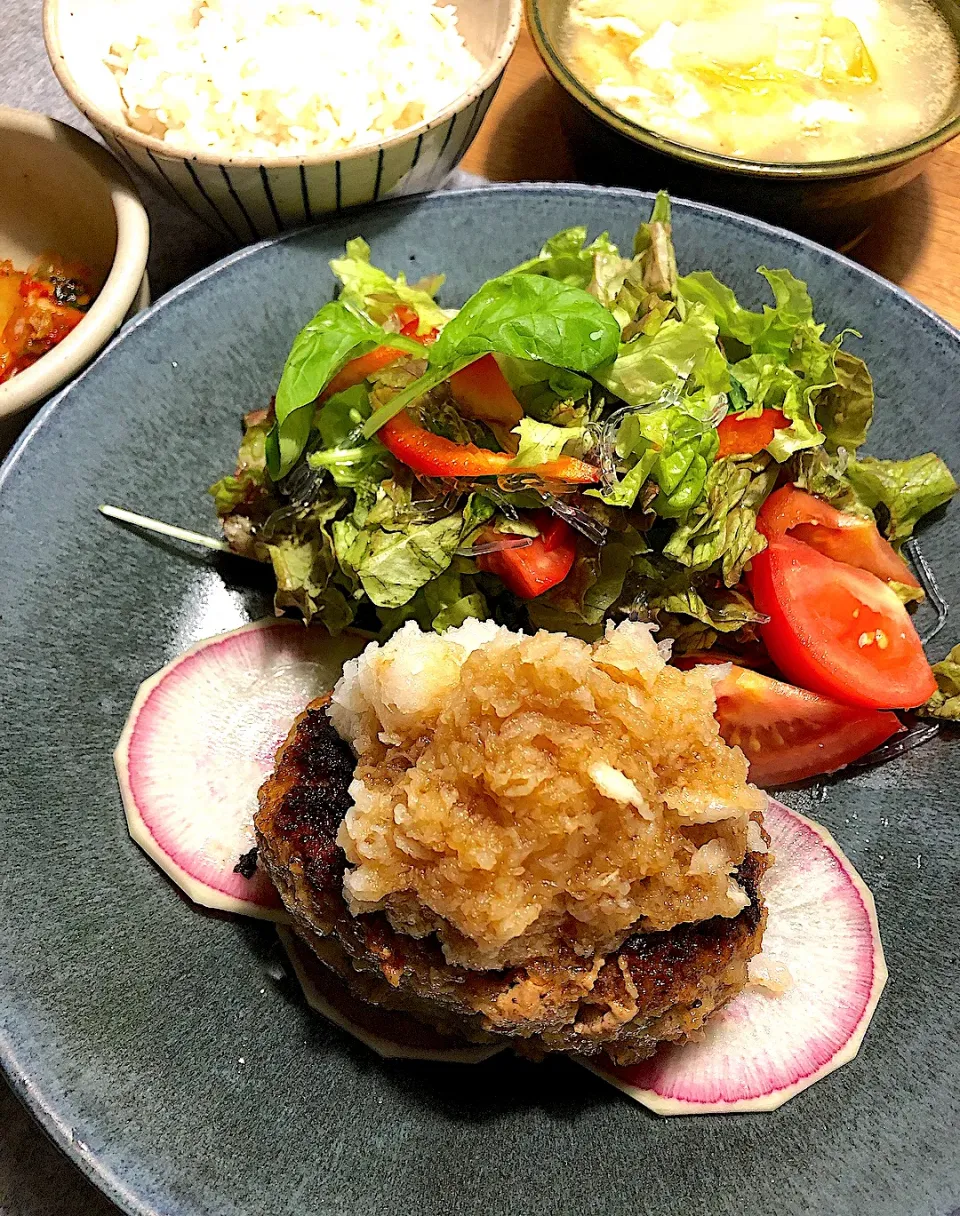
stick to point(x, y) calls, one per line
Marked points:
point(200, 739)
point(392, 1035)
point(767, 1046)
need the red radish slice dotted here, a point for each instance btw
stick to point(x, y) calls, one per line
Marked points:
point(201, 738)
point(392, 1035)
point(761, 1049)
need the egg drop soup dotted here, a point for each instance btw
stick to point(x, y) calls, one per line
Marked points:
point(802, 80)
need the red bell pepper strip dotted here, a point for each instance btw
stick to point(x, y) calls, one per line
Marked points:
point(359, 369)
point(740, 436)
point(434, 456)
point(533, 570)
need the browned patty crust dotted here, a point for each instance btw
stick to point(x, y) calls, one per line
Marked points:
point(657, 986)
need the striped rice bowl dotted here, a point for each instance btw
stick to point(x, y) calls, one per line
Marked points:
point(258, 179)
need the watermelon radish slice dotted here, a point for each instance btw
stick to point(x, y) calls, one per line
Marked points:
point(392, 1035)
point(763, 1049)
point(201, 738)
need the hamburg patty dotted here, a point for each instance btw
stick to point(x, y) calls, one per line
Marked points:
point(659, 986)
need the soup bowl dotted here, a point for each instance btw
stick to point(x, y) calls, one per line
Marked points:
point(834, 201)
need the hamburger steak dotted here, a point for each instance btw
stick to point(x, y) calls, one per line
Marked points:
point(658, 986)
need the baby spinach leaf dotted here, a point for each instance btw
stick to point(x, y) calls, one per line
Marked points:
point(522, 315)
point(335, 335)
point(530, 317)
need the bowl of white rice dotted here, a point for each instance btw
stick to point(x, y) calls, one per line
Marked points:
point(262, 115)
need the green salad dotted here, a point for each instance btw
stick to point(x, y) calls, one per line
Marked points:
point(592, 435)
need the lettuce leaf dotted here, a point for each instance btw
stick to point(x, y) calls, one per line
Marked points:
point(821, 473)
point(793, 388)
point(445, 602)
point(674, 445)
point(722, 527)
point(653, 247)
point(392, 566)
point(640, 291)
point(783, 361)
point(678, 351)
point(703, 289)
point(373, 292)
point(298, 544)
point(541, 443)
point(768, 332)
point(844, 410)
point(724, 611)
point(567, 257)
point(901, 492)
point(945, 702)
point(249, 476)
point(667, 591)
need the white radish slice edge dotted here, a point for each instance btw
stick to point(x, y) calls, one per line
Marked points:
point(394, 1036)
point(201, 738)
point(763, 1049)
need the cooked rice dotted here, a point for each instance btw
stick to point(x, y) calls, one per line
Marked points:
point(264, 77)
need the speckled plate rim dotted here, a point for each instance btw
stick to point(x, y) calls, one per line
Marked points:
point(28, 1090)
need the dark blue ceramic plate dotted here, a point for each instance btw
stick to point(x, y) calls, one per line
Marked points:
point(154, 1042)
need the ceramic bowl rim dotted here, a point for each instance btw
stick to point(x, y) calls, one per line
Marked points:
point(156, 147)
point(123, 284)
point(825, 170)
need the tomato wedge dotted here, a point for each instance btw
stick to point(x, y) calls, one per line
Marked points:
point(844, 537)
point(836, 629)
point(531, 571)
point(434, 456)
point(740, 436)
point(789, 734)
point(481, 389)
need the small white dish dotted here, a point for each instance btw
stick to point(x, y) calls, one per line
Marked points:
point(61, 192)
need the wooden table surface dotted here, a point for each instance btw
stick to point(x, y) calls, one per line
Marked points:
point(915, 241)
